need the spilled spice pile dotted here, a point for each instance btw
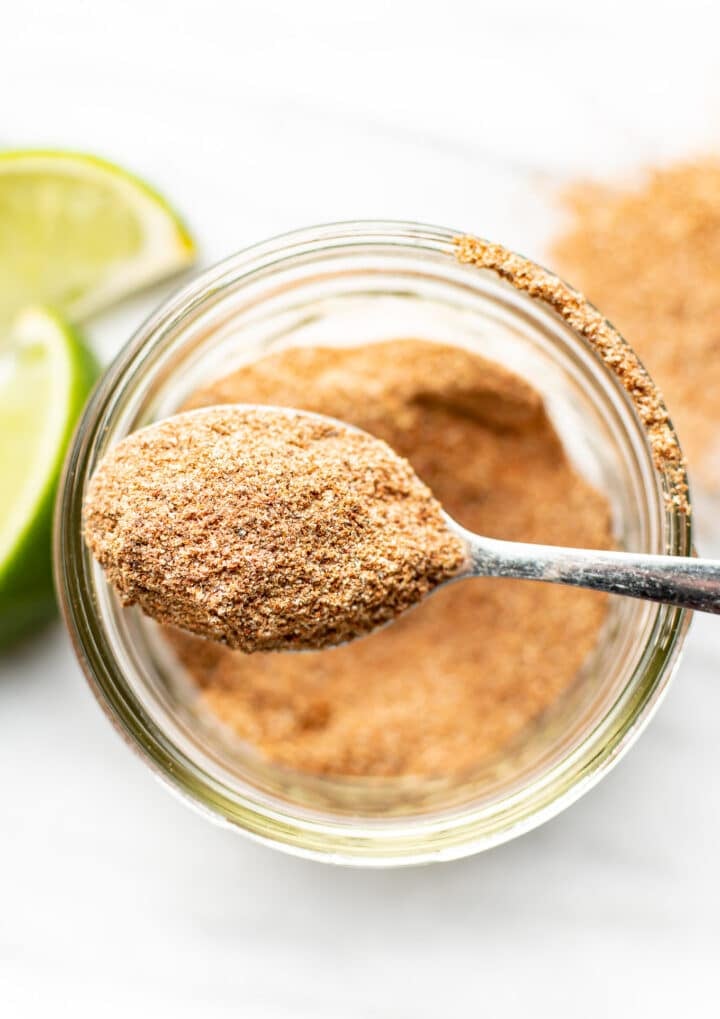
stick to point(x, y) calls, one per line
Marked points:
point(451, 683)
point(606, 342)
point(266, 530)
point(649, 256)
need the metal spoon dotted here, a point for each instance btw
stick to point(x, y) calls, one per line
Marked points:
point(686, 582)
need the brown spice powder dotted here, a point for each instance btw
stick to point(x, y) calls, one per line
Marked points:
point(266, 530)
point(450, 684)
point(649, 256)
point(604, 340)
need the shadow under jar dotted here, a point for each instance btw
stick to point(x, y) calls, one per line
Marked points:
point(365, 282)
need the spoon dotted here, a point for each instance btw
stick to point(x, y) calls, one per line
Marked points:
point(686, 582)
point(273, 529)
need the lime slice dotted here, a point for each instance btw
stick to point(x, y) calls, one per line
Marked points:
point(45, 376)
point(77, 233)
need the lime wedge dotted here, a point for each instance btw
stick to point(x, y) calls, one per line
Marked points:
point(77, 233)
point(45, 376)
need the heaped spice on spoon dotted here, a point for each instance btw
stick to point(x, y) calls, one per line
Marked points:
point(265, 529)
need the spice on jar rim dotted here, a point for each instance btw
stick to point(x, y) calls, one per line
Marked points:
point(604, 339)
point(266, 529)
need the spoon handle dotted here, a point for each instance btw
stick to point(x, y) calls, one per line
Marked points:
point(688, 583)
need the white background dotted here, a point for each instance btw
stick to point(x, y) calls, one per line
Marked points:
point(255, 118)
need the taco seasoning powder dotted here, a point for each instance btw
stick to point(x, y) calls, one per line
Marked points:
point(648, 253)
point(448, 685)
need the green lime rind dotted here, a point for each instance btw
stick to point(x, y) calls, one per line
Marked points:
point(27, 597)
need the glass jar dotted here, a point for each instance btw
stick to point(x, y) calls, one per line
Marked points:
point(370, 281)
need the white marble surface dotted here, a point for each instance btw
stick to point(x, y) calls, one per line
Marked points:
point(255, 118)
